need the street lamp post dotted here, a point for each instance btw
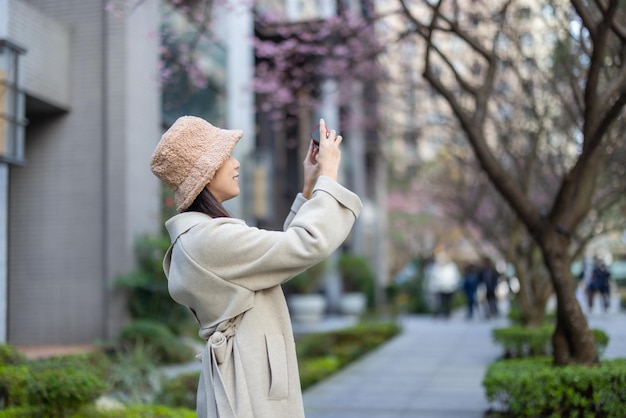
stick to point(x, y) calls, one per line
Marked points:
point(12, 104)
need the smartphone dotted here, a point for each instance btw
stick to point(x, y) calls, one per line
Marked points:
point(315, 135)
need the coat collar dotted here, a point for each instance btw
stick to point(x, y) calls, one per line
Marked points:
point(183, 222)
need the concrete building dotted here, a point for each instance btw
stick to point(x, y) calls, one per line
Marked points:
point(71, 213)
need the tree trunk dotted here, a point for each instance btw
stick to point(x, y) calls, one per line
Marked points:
point(535, 287)
point(532, 306)
point(572, 341)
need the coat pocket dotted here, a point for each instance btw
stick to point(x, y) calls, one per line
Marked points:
point(277, 357)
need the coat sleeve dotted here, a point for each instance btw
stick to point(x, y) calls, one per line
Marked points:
point(295, 207)
point(259, 259)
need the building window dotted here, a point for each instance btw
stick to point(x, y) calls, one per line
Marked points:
point(12, 104)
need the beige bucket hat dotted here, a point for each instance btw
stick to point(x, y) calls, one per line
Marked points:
point(188, 155)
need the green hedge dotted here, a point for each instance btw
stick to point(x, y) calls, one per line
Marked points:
point(322, 354)
point(10, 355)
point(47, 391)
point(533, 387)
point(180, 391)
point(168, 348)
point(313, 370)
point(19, 412)
point(358, 276)
point(14, 385)
point(48, 388)
point(519, 341)
point(146, 287)
point(136, 411)
point(60, 390)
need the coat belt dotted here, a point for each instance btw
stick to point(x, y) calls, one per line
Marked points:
point(225, 387)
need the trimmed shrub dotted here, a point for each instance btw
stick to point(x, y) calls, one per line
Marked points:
point(19, 412)
point(136, 411)
point(312, 370)
point(58, 391)
point(147, 294)
point(10, 355)
point(47, 388)
point(134, 375)
point(168, 348)
point(97, 362)
point(533, 387)
point(314, 345)
point(601, 339)
point(180, 391)
point(519, 341)
point(357, 275)
point(322, 354)
point(348, 343)
point(13, 385)
point(307, 282)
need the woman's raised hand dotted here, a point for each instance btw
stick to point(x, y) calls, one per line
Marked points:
point(329, 156)
point(323, 159)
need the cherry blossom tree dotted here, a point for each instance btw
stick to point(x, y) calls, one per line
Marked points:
point(591, 37)
point(294, 59)
point(480, 63)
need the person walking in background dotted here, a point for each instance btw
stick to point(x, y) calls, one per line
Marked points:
point(584, 279)
point(229, 274)
point(600, 282)
point(490, 278)
point(470, 286)
point(444, 280)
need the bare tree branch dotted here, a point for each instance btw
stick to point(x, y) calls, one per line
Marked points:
point(585, 16)
point(618, 28)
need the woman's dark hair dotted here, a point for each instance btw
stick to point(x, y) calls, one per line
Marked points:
point(206, 203)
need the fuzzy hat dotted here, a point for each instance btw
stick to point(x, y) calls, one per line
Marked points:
point(189, 154)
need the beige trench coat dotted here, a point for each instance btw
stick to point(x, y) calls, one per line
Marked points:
point(229, 274)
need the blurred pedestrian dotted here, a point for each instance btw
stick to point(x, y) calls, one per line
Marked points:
point(490, 278)
point(229, 274)
point(444, 281)
point(600, 283)
point(470, 286)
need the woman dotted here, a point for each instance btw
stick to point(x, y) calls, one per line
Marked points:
point(229, 274)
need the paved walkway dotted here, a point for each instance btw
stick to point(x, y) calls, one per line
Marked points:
point(434, 369)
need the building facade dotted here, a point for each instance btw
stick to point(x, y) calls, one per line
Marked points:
point(85, 192)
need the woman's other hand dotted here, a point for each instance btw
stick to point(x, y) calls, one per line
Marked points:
point(329, 155)
point(323, 159)
point(311, 169)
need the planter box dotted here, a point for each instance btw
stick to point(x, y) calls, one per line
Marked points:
point(353, 303)
point(307, 309)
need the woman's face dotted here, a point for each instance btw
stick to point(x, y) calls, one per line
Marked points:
point(225, 183)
